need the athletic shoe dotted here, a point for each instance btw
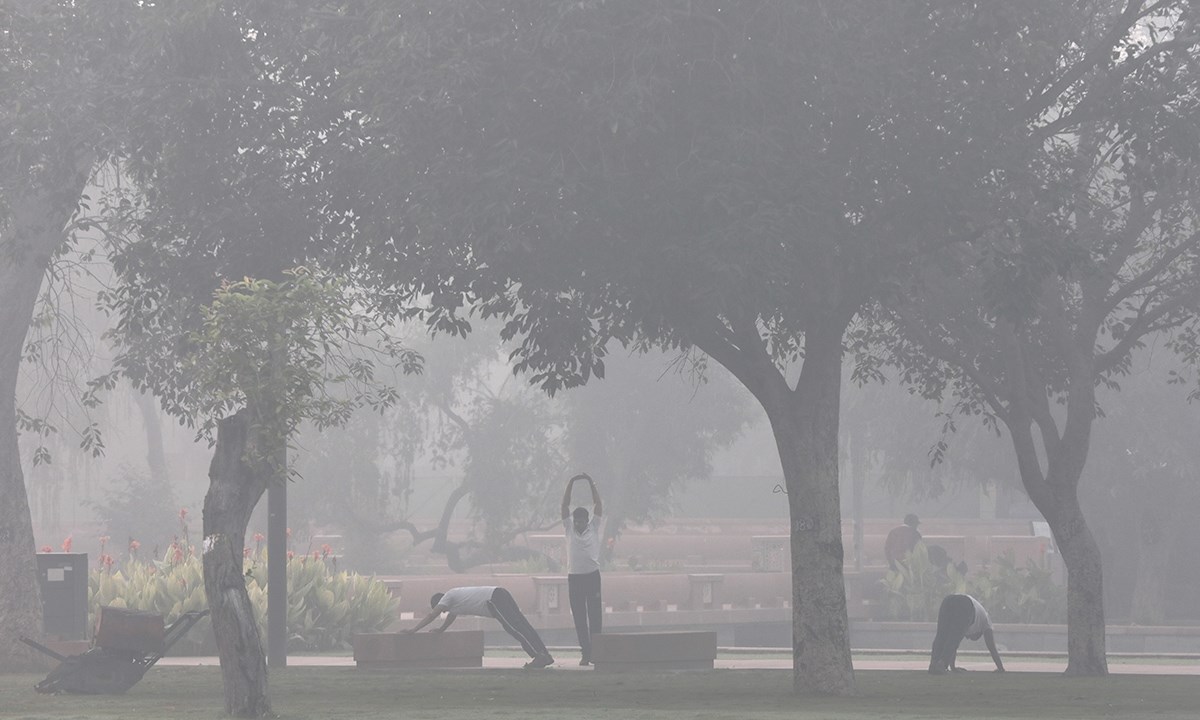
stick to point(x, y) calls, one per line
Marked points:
point(540, 661)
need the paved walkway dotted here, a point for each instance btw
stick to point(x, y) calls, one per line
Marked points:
point(568, 661)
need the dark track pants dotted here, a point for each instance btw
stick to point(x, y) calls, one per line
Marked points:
point(586, 609)
point(504, 608)
point(954, 617)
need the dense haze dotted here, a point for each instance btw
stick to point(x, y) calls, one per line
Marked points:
point(1142, 468)
point(807, 268)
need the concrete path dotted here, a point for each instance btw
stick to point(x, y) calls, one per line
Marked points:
point(569, 661)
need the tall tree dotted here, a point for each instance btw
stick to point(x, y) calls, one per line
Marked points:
point(1093, 245)
point(51, 54)
point(741, 177)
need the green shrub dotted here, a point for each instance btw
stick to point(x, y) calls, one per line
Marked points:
point(916, 588)
point(325, 607)
point(1011, 595)
point(1020, 595)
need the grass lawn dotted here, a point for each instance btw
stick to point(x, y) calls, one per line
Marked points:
point(336, 692)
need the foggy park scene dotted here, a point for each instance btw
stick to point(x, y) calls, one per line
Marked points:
point(623, 358)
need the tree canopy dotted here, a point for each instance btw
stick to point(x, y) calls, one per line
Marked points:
point(746, 178)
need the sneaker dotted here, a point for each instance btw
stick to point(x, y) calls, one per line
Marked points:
point(540, 661)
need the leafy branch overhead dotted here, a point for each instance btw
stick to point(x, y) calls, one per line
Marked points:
point(302, 349)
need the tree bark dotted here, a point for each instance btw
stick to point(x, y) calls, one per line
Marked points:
point(806, 431)
point(20, 599)
point(805, 423)
point(236, 483)
point(30, 238)
point(1086, 653)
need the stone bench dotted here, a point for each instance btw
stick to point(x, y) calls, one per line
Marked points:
point(636, 652)
point(420, 650)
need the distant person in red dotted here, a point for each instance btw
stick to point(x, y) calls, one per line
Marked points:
point(901, 540)
point(960, 616)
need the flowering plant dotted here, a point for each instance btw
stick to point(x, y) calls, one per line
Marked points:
point(326, 607)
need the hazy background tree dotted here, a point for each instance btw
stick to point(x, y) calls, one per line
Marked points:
point(644, 433)
point(1144, 492)
point(650, 430)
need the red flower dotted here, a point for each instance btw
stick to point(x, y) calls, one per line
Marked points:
point(177, 555)
point(182, 514)
point(291, 554)
point(134, 545)
point(107, 561)
point(46, 548)
point(66, 545)
point(259, 537)
point(326, 551)
point(245, 552)
point(103, 542)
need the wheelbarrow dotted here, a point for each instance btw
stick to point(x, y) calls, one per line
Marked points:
point(113, 664)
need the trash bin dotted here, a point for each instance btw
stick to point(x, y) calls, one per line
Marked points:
point(64, 582)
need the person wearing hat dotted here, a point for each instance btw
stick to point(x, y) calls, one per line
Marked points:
point(901, 541)
point(583, 566)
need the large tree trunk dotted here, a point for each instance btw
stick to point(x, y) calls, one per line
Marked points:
point(806, 430)
point(805, 424)
point(1057, 499)
point(20, 599)
point(26, 245)
point(1055, 491)
point(236, 483)
point(1086, 654)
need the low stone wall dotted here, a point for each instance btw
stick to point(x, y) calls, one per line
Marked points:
point(420, 650)
point(652, 651)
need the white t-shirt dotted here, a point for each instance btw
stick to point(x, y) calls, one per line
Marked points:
point(982, 621)
point(583, 549)
point(468, 600)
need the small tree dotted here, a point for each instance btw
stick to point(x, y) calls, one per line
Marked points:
point(264, 357)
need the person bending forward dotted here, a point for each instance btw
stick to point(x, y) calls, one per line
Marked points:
point(960, 616)
point(488, 601)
